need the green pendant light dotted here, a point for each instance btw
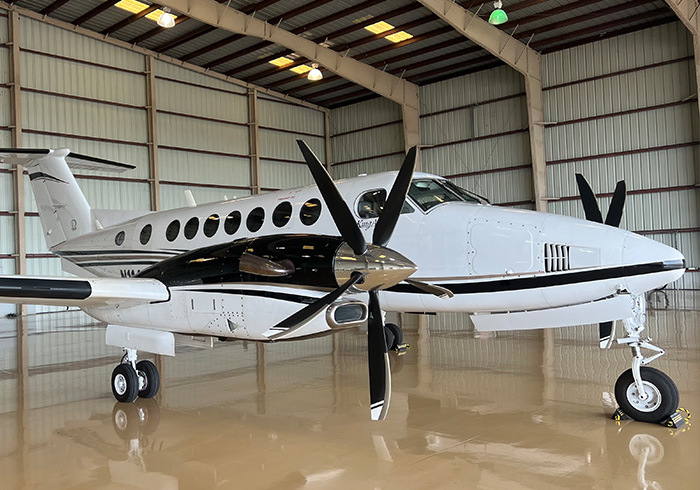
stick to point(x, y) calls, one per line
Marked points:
point(498, 16)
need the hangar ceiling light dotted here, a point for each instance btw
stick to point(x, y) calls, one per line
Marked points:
point(315, 74)
point(166, 19)
point(134, 6)
point(498, 16)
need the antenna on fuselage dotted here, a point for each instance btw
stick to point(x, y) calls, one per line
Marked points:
point(189, 199)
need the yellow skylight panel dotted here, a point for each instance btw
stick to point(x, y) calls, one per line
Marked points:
point(133, 6)
point(155, 15)
point(399, 36)
point(379, 27)
point(301, 69)
point(281, 61)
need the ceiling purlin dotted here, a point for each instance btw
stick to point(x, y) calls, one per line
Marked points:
point(131, 19)
point(96, 11)
point(359, 42)
point(525, 20)
point(329, 36)
point(449, 71)
point(53, 6)
point(200, 31)
point(298, 30)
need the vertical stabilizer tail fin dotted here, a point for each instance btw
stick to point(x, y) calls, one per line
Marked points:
point(63, 210)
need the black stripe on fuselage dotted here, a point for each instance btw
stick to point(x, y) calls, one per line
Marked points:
point(120, 263)
point(545, 281)
point(67, 253)
point(294, 298)
point(44, 288)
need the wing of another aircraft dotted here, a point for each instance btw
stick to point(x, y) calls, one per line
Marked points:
point(67, 291)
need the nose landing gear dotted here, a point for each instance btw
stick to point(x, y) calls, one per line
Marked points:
point(644, 393)
point(131, 379)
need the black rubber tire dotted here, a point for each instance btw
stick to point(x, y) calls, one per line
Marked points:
point(150, 372)
point(389, 338)
point(667, 389)
point(125, 420)
point(398, 334)
point(129, 383)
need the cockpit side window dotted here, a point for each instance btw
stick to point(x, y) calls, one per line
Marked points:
point(371, 204)
point(428, 193)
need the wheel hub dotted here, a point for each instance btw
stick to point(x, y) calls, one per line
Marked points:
point(120, 384)
point(648, 401)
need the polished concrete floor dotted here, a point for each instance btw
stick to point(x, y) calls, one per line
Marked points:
point(517, 410)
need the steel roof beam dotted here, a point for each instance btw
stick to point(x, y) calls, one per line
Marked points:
point(518, 56)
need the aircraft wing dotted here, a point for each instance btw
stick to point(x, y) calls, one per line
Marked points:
point(68, 291)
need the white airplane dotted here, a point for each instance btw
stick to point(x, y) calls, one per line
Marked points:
point(272, 267)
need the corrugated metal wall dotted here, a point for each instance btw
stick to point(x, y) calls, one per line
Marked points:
point(91, 97)
point(366, 138)
point(625, 108)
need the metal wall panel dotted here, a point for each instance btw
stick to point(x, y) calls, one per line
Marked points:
point(283, 175)
point(185, 132)
point(200, 101)
point(168, 70)
point(39, 36)
point(366, 167)
point(4, 59)
point(369, 143)
point(282, 115)
point(78, 117)
point(173, 196)
point(4, 34)
point(7, 194)
point(655, 45)
point(501, 187)
point(470, 89)
point(34, 235)
point(7, 266)
point(5, 113)
point(274, 144)
point(7, 235)
point(184, 166)
point(364, 114)
point(74, 78)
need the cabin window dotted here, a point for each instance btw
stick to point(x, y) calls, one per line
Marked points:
point(172, 230)
point(191, 228)
point(310, 212)
point(232, 222)
point(255, 219)
point(145, 235)
point(119, 239)
point(211, 225)
point(371, 204)
point(282, 214)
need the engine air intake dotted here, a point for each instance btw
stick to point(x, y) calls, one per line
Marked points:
point(556, 257)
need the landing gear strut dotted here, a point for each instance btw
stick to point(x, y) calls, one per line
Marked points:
point(131, 379)
point(644, 393)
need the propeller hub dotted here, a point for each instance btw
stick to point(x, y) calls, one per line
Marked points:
point(381, 266)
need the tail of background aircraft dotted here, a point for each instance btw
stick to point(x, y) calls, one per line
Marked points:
point(63, 210)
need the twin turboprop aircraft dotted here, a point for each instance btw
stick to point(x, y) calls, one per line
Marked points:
point(272, 267)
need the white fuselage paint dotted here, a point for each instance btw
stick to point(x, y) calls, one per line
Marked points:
point(496, 255)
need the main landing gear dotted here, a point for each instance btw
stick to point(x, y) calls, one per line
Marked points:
point(394, 338)
point(132, 379)
point(644, 393)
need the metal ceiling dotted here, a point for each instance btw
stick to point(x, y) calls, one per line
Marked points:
point(435, 52)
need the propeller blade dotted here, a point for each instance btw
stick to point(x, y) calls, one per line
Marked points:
point(300, 318)
point(617, 204)
point(340, 212)
point(431, 288)
point(394, 203)
point(605, 330)
point(590, 205)
point(378, 357)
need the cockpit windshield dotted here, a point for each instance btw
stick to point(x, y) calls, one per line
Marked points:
point(428, 193)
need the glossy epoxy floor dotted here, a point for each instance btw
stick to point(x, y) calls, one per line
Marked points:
point(519, 410)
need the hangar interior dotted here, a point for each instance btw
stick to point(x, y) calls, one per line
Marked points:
point(605, 88)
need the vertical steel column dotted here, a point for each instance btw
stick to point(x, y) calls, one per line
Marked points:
point(154, 175)
point(327, 134)
point(411, 130)
point(533, 89)
point(254, 142)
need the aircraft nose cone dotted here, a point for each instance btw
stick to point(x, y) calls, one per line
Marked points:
point(653, 264)
point(381, 266)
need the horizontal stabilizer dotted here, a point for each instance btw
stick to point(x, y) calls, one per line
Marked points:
point(68, 291)
point(26, 157)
